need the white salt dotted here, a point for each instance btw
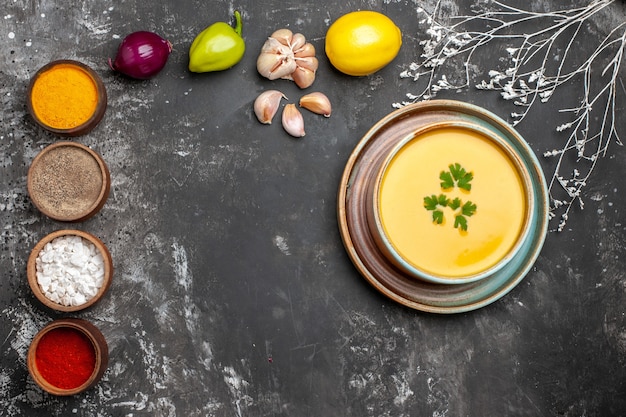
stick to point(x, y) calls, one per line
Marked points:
point(70, 270)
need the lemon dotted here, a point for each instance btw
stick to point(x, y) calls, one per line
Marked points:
point(362, 42)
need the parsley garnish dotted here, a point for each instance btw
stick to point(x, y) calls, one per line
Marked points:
point(459, 177)
point(447, 181)
point(435, 203)
point(469, 209)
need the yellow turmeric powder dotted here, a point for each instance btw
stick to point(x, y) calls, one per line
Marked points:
point(64, 97)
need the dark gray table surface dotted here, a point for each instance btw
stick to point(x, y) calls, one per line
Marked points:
point(233, 294)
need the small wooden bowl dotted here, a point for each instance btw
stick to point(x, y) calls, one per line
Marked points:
point(100, 350)
point(31, 270)
point(68, 182)
point(68, 96)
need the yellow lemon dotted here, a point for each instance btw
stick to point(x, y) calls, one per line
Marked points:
point(362, 42)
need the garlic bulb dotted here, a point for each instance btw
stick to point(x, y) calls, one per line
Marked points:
point(317, 103)
point(266, 105)
point(293, 122)
point(276, 60)
point(289, 56)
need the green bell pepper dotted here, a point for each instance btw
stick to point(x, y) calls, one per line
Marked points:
point(218, 47)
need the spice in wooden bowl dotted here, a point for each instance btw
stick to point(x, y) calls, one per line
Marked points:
point(68, 182)
point(67, 97)
point(68, 356)
point(69, 270)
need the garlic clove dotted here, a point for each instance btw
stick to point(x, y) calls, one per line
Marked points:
point(283, 36)
point(293, 123)
point(266, 105)
point(317, 103)
point(305, 50)
point(274, 46)
point(273, 67)
point(303, 77)
point(309, 62)
point(276, 60)
point(297, 41)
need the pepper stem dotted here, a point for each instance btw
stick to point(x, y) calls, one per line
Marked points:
point(238, 24)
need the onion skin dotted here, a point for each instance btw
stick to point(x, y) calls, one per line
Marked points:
point(141, 55)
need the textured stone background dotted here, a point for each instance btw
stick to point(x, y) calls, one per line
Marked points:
point(232, 294)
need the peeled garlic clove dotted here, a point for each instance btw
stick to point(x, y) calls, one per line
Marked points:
point(266, 105)
point(293, 123)
point(283, 36)
point(317, 103)
point(303, 77)
point(306, 50)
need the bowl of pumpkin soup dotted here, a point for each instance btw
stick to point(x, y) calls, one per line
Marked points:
point(443, 206)
point(449, 203)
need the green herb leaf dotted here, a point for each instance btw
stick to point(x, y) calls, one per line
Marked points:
point(464, 183)
point(430, 203)
point(461, 176)
point(433, 203)
point(447, 181)
point(460, 221)
point(455, 176)
point(456, 170)
point(455, 204)
point(468, 209)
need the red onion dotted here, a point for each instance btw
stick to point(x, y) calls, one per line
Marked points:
point(141, 55)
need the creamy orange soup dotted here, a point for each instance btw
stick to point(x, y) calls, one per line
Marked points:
point(496, 191)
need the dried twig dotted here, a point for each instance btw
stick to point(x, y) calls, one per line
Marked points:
point(538, 49)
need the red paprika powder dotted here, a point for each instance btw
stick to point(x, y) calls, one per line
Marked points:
point(65, 357)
